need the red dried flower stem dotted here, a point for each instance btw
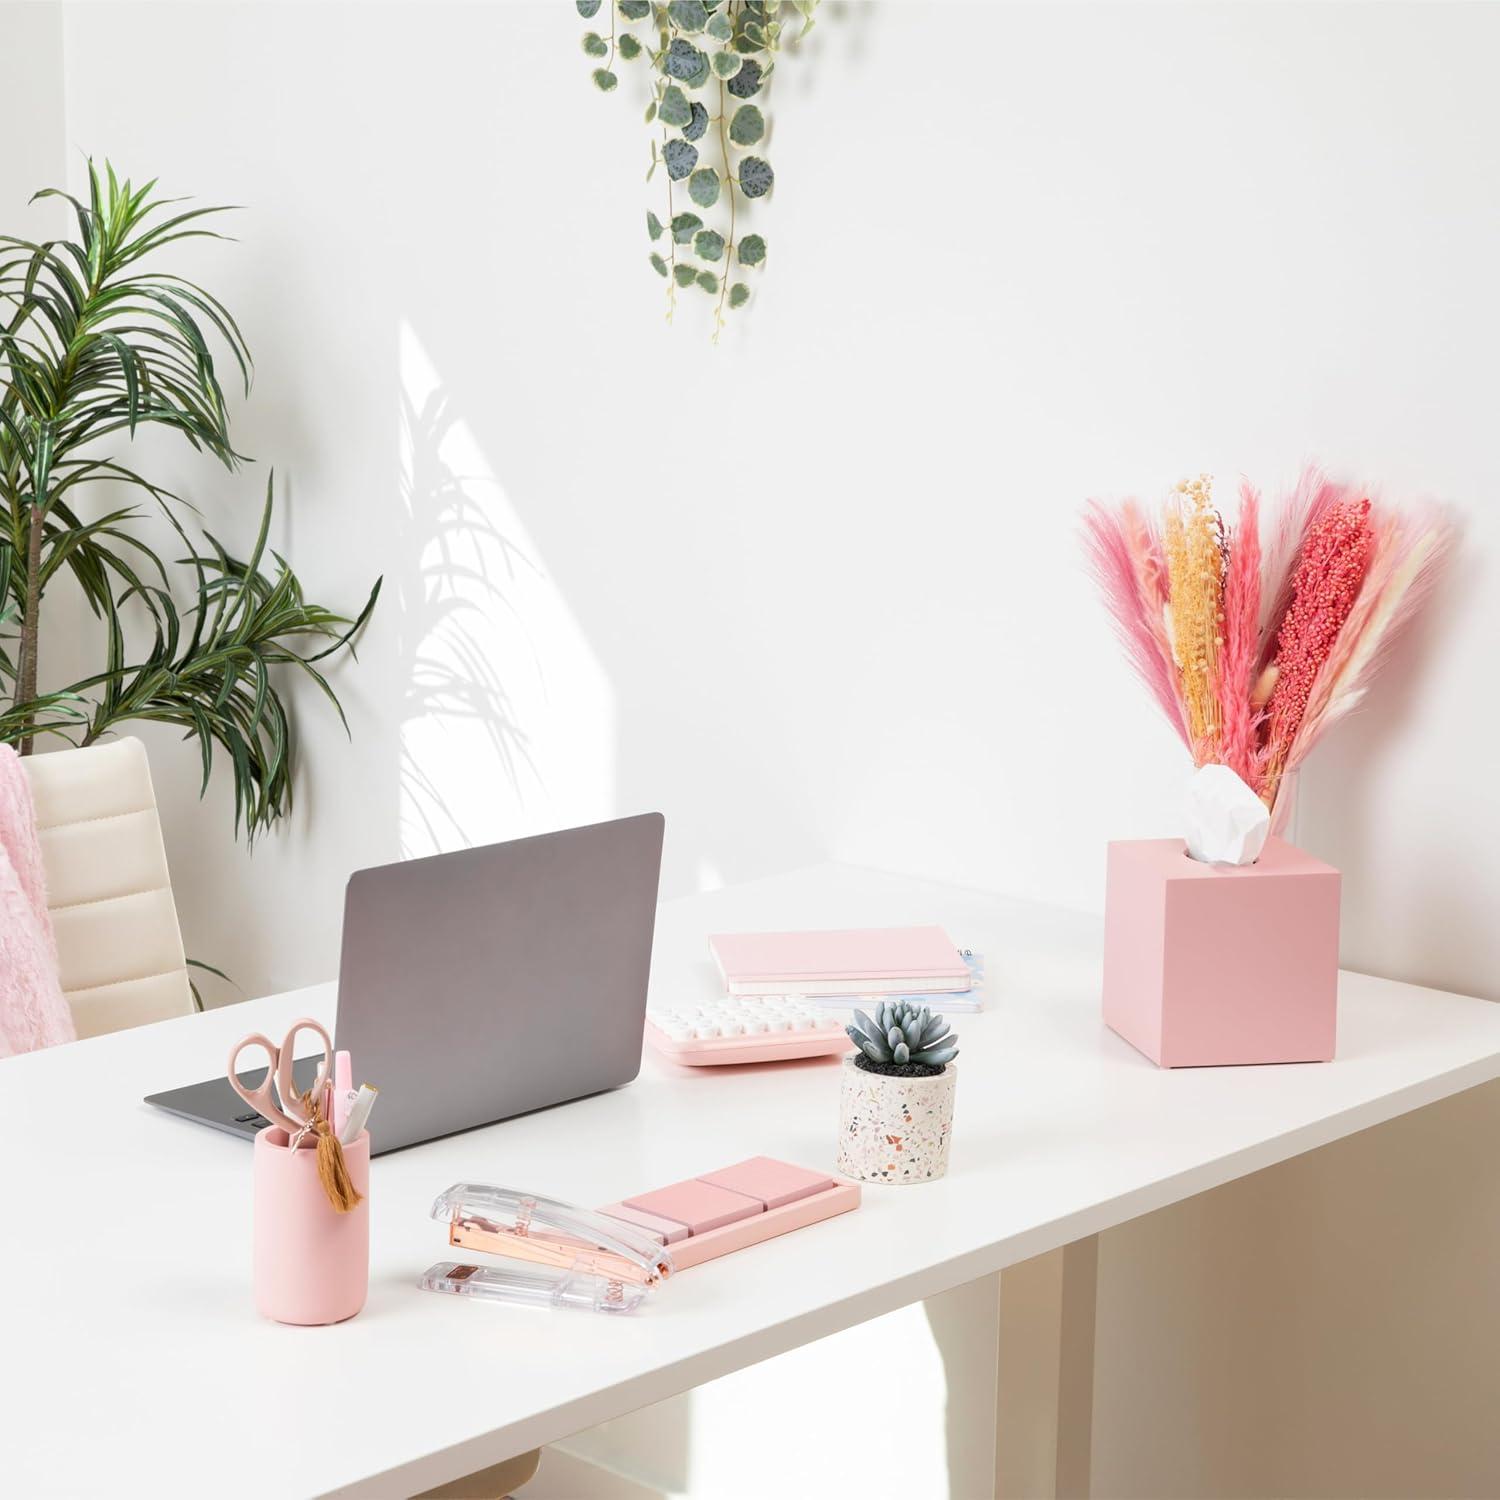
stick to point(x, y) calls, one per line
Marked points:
point(1325, 584)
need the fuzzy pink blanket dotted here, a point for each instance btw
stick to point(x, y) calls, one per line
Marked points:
point(33, 1010)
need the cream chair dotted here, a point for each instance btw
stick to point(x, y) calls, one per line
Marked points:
point(118, 942)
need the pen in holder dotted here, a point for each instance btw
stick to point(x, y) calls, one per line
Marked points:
point(311, 1263)
point(312, 1217)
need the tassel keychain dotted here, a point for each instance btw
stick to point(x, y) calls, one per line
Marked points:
point(333, 1170)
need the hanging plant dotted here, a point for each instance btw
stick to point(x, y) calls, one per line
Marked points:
point(710, 61)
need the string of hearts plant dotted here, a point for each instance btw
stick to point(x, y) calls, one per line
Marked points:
point(709, 61)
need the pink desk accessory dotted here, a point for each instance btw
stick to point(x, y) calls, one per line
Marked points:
point(609, 1259)
point(311, 1264)
point(343, 1090)
point(866, 961)
point(771, 1028)
point(312, 1215)
point(736, 1207)
point(1212, 964)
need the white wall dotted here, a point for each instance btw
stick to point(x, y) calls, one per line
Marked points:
point(31, 107)
point(816, 590)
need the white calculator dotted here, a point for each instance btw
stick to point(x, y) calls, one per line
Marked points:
point(748, 1029)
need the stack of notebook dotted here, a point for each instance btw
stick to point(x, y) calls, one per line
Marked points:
point(842, 969)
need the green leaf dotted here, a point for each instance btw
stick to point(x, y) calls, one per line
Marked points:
point(739, 294)
point(708, 244)
point(630, 49)
point(658, 264)
point(703, 187)
point(595, 45)
point(635, 10)
point(699, 76)
point(756, 177)
point(588, 9)
point(680, 158)
point(604, 80)
point(653, 225)
point(746, 82)
point(708, 281)
point(675, 109)
point(697, 125)
point(719, 28)
point(747, 126)
point(685, 275)
point(752, 250)
point(683, 59)
point(684, 226)
point(726, 64)
point(651, 114)
point(687, 15)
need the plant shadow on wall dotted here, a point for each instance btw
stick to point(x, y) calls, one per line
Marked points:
point(709, 62)
point(447, 590)
point(486, 640)
point(97, 344)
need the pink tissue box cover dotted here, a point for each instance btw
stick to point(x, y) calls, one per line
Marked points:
point(1212, 964)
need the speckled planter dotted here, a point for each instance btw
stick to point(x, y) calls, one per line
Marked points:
point(895, 1129)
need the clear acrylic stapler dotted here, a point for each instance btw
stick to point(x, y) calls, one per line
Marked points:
point(553, 1254)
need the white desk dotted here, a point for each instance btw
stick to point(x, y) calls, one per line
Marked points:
point(132, 1360)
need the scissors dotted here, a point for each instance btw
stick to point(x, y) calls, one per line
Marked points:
point(285, 1108)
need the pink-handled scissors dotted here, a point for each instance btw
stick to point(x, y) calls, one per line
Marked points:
point(284, 1108)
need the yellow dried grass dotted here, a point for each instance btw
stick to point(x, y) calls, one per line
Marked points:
point(1193, 539)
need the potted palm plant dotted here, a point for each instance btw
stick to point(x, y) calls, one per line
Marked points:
point(96, 344)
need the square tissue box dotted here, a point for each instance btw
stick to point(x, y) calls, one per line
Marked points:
point(1211, 964)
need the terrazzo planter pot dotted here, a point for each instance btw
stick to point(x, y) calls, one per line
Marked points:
point(894, 1129)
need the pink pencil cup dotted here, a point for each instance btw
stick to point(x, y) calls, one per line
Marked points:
point(311, 1263)
point(1212, 964)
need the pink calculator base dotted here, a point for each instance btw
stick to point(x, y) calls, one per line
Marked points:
point(743, 1233)
point(779, 1047)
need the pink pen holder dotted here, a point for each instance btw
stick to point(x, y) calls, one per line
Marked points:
point(311, 1263)
point(1211, 964)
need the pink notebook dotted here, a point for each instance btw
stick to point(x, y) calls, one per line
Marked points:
point(876, 961)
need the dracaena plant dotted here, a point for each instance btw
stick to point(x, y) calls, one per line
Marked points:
point(96, 345)
point(709, 62)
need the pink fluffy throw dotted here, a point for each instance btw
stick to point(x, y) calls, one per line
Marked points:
point(33, 1010)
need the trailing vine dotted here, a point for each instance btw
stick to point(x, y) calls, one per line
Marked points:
point(725, 48)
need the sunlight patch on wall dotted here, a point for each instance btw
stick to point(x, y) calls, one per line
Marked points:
point(507, 719)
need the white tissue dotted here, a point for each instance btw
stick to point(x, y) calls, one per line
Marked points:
point(1225, 822)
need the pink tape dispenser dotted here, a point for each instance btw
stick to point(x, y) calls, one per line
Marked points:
point(555, 1254)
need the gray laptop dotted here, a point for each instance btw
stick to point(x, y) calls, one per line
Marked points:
point(482, 984)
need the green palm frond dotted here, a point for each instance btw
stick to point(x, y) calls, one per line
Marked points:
point(211, 670)
point(95, 344)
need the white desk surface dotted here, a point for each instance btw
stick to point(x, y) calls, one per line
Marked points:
point(131, 1356)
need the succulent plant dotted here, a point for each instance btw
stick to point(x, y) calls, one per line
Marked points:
point(902, 1033)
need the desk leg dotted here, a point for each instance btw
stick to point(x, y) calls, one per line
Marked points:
point(495, 1483)
point(1044, 1379)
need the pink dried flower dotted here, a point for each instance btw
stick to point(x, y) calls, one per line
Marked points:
point(1324, 586)
point(1124, 552)
point(1239, 717)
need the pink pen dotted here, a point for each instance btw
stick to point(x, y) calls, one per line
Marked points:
point(343, 1086)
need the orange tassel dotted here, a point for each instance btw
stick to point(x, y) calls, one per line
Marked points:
point(333, 1170)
